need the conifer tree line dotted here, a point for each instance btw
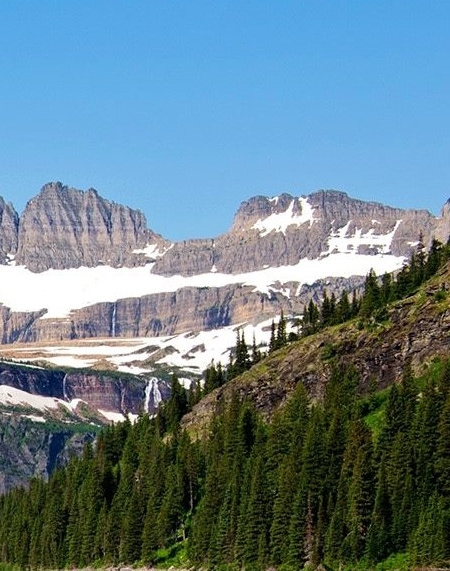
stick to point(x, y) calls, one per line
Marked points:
point(371, 305)
point(377, 293)
point(317, 484)
point(242, 358)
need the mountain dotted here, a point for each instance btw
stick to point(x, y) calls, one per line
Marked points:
point(76, 266)
point(97, 310)
point(330, 453)
point(413, 334)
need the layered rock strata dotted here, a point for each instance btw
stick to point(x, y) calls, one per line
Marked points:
point(63, 228)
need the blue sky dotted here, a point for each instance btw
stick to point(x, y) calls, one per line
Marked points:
point(184, 109)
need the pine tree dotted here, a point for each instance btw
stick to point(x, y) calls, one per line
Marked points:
point(360, 499)
point(273, 338)
point(326, 315)
point(131, 544)
point(442, 457)
point(371, 299)
point(379, 533)
point(256, 353)
point(281, 338)
point(257, 511)
point(343, 310)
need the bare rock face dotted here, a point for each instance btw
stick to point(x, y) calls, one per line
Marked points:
point(9, 226)
point(110, 392)
point(276, 232)
point(67, 228)
point(28, 451)
point(168, 313)
point(442, 232)
point(14, 325)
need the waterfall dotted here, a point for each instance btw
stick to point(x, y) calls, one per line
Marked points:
point(113, 320)
point(122, 400)
point(64, 389)
point(152, 388)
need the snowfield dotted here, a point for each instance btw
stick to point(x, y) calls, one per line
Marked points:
point(192, 352)
point(61, 291)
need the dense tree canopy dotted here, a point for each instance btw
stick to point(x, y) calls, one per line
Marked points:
point(345, 480)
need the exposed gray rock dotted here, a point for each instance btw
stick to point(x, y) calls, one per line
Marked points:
point(28, 450)
point(245, 248)
point(9, 226)
point(111, 392)
point(66, 228)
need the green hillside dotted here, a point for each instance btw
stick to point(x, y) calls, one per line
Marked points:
point(331, 452)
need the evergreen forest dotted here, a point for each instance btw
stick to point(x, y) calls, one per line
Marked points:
point(347, 481)
point(343, 482)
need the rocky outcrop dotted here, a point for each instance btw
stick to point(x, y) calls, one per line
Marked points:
point(418, 331)
point(442, 232)
point(282, 231)
point(28, 450)
point(66, 228)
point(30, 447)
point(9, 226)
point(168, 313)
point(15, 325)
point(110, 392)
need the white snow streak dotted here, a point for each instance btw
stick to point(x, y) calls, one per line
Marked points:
point(152, 251)
point(342, 243)
point(117, 416)
point(16, 397)
point(280, 221)
point(61, 291)
point(125, 353)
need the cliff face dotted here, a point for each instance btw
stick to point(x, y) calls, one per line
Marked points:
point(66, 228)
point(9, 226)
point(417, 331)
point(29, 451)
point(99, 391)
point(63, 228)
point(285, 230)
point(41, 411)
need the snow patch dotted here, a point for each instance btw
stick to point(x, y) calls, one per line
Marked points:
point(118, 416)
point(280, 221)
point(16, 397)
point(22, 290)
point(153, 251)
point(340, 242)
point(34, 418)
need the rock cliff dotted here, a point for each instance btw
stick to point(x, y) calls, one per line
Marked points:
point(66, 228)
point(278, 253)
point(48, 415)
point(9, 226)
point(29, 450)
point(416, 332)
point(282, 231)
point(114, 393)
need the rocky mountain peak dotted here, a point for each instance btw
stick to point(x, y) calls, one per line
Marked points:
point(67, 228)
point(9, 224)
point(260, 208)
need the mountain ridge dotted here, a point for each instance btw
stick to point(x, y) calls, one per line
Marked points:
point(278, 253)
point(415, 331)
